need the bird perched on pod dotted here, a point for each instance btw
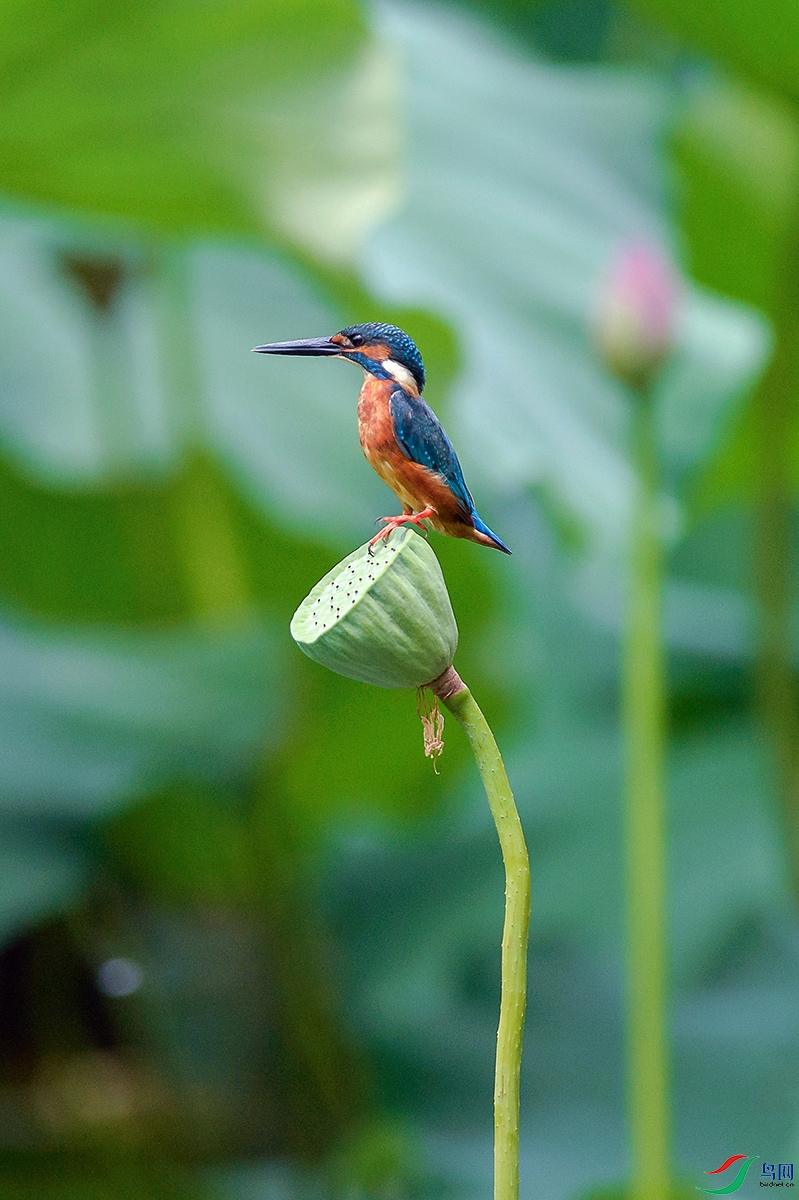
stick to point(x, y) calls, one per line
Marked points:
point(400, 434)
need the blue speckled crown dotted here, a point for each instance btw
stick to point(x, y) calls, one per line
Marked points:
point(403, 349)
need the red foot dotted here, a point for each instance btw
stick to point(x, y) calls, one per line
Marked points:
point(393, 523)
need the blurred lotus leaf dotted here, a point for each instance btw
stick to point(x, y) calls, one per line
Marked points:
point(80, 389)
point(92, 719)
point(744, 34)
point(175, 114)
point(737, 151)
point(42, 871)
point(286, 427)
point(89, 396)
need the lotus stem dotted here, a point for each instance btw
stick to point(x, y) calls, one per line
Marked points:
point(454, 694)
point(385, 617)
point(644, 722)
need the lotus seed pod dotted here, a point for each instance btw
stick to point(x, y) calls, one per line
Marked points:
point(383, 618)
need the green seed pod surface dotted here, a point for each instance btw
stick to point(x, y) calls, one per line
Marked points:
point(383, 618)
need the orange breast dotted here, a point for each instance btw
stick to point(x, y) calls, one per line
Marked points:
point(415, 485)
point(376, 431)
point(375, 427)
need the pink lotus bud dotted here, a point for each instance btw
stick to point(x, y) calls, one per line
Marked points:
point(635, 317)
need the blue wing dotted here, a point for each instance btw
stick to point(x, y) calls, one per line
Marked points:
point(421, 438)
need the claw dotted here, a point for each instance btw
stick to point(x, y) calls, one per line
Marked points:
point(393, 523)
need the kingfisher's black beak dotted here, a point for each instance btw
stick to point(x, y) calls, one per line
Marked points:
point(310, 346)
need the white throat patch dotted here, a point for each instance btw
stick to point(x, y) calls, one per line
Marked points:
point(400, 373)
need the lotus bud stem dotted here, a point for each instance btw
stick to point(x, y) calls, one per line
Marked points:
point(635, 333)
point(643, 685)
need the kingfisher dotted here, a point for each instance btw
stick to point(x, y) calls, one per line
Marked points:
point(400, 434)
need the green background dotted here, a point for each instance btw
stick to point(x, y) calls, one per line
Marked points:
point(314, 915)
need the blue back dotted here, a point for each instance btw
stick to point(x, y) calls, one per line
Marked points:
point(421, 438)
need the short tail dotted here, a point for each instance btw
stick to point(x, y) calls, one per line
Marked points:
point(481, 527)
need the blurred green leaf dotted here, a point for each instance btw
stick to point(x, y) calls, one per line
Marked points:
point(720, 799)
point(42, 871)
point(737, 150)
point(722, 348)
point(105, 1172)
point(677, 1191)
point(186, 847)
point(90, 719)
point(758, 37)
point(286, 427)
point(91, 398)
point(159, 112)
point(84, 556)
point(379, 1160)
point(85, 395)
point(76, 389)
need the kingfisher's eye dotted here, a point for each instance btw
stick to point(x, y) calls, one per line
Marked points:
point(356, 339)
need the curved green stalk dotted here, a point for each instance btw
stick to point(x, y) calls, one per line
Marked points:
point(462, 705)
point(643, 689)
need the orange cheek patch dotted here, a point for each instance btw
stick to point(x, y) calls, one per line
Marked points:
point(377, 353)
